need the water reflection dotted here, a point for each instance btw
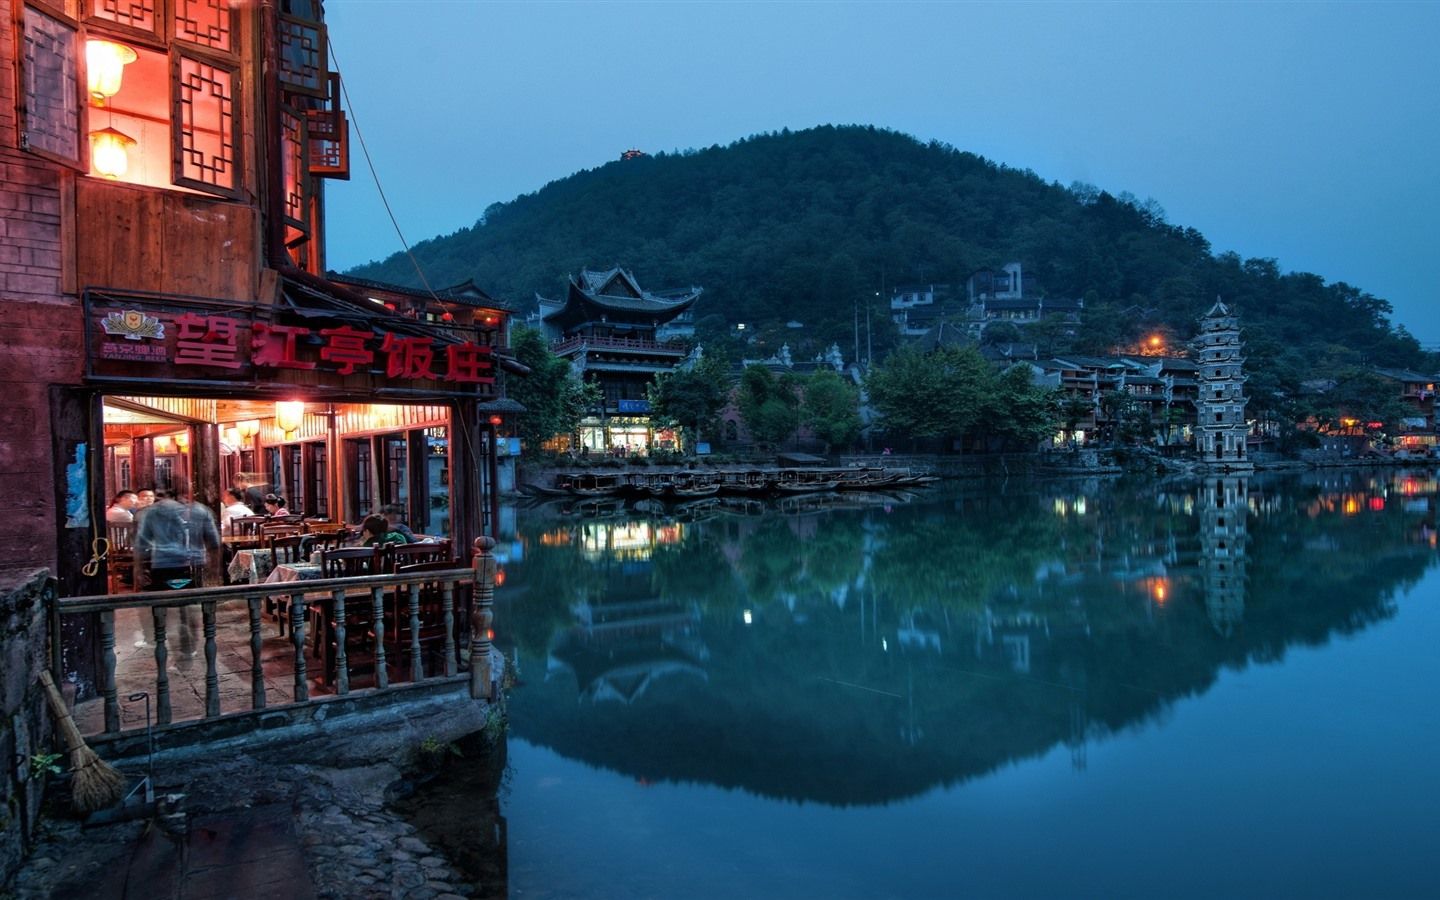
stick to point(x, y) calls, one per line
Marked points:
point(864, 654)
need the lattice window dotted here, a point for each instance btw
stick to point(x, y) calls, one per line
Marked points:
point(208, 23)
point(303, 66)
point(51, 85)
point(329, 135)
point(293, 175)
point(142, 15)
point(207, 156)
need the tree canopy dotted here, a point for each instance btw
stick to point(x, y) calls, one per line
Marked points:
point(554, 401)
point(811, 226)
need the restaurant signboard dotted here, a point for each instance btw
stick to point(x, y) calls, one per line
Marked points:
point(193, 341)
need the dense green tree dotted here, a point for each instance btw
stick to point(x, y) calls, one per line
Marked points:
point(690, 397)
point(770, 406)
point(554, 400)
point(928, 395)
point(1023, 414)
point(831, 409)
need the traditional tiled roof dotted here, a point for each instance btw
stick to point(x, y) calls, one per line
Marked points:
point(1405, 375)
point(467, 293)
point(599, 294)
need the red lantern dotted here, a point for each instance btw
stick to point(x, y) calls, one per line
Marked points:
point(496, 420)
point(447, 317)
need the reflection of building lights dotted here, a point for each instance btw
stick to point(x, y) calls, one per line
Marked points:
point(747, 617)
point(499, 577)
point(557, 538)
point(885, 645)
point(1159, 591)
point(1377, 504)
point(1060, 508)
point(1352, 506)
point(1079, 506)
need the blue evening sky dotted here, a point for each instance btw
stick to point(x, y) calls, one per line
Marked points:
point(1308, 132)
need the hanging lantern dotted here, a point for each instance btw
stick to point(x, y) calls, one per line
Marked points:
point(496, 420)
point(248, 429)
point(231, 436)
point(182, 441)
point(105, 63)
point(162, 443)
point(109, 152)
point(289, 414)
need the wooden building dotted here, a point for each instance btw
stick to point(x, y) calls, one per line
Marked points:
point(165, 308)
point(606, 326)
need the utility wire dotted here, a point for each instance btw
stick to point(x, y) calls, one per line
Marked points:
point(375, 176)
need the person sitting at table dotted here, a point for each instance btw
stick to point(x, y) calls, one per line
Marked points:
point(234, 506)
point(375, 530)
point(392, 513)
point(275, 506)
point(250, 494)
point(122, 508)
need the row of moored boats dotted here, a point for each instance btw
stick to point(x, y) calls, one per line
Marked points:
point(689, 484)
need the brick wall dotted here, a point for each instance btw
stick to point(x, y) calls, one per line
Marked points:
point(40, 336)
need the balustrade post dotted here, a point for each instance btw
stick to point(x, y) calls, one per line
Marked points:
point(212, 674)
point(377, 607)
point(481, 617)
point(447, 596)
point(158, 615)
point(107, 674)
point(417, 671)
point(297, 637)
point(342, 662)
point(257, 670)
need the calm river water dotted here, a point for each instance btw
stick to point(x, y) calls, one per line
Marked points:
point(1067, 688)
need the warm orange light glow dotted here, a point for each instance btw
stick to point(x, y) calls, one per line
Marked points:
point(289, 414)
point(105, 63)
point(1155, 340)
point(110, 152)
point(1159, 590)
point(162, 443)
point(496, 420)
point(248, 429)
point(182, 441)
point(499, 577)
point(1348, 422)
point(1352, 506)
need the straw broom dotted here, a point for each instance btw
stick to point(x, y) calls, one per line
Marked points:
point(96, 784)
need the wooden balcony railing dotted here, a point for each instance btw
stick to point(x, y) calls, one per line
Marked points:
point(614, 343)
point(329, 598)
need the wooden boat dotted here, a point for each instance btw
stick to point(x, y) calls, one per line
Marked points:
point(805, 487)
point(592, 485)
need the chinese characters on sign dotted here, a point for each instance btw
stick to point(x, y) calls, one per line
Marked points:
point(216, 342)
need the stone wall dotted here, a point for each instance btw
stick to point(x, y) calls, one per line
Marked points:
point(25, 726)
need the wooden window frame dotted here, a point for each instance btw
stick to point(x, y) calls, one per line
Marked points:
point(81, 162)
point(322, 67)
point(177, 134)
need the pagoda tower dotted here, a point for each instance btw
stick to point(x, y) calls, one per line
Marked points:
point(1220, 428)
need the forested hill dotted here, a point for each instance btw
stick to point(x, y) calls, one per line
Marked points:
point(801, 225)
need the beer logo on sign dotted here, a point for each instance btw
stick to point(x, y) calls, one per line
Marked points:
point(133, 325)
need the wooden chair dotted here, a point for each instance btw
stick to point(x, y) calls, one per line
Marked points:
point(121, 555)
point(431, 596)
point(286, 549)
point(324, 541)
point(413, 554)
point(345, 562)
point(246, 526)
point(352, 562)
point(323, 526)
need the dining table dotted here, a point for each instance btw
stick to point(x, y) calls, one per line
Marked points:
point(251, 566)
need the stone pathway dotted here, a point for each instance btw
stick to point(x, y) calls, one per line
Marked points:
point(254, 827)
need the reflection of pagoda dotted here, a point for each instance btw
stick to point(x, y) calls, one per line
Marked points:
point(1220, 428)
point(619, 648)
point(1224, 504)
